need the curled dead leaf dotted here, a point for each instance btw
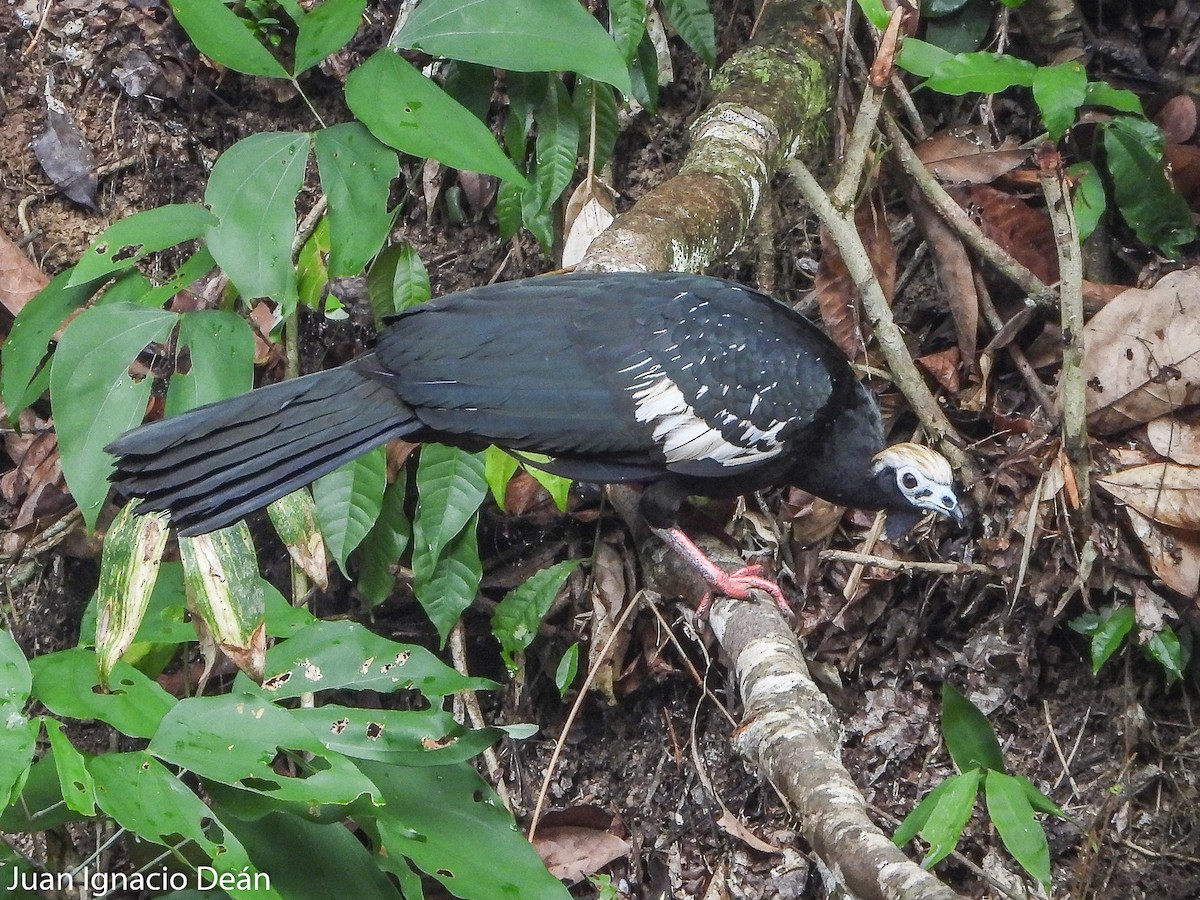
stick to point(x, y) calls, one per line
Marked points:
point(589, 211)
point(1173, 554)
point(1142, 356)
point(1165, 492)
point(967, 155)
point(1176, 438)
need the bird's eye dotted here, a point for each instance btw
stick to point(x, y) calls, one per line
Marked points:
point(948, 502)
point(909, 480)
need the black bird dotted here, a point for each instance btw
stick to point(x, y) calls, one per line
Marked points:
point(684, 383)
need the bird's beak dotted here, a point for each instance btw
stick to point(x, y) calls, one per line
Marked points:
point(958, 515)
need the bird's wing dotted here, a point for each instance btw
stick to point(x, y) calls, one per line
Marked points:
point(631, 373)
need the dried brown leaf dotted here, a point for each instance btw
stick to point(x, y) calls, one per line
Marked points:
point(966, 155)
point(1176, 438)
point(1177, 119)
point(572, 852)
point(589, 211)
point(20, 278)
point(836, 294)
point(1142, 355)
point(1165, 492)
point(944, 367)
point(1022, 230)
point(954, 271)
point(1173, 554)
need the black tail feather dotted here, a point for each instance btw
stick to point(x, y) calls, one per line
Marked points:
point(211, 466)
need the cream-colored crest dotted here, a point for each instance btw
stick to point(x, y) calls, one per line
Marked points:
point(929, 462)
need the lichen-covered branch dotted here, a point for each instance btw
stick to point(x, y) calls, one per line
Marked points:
point(791, 734)
point(772, 100)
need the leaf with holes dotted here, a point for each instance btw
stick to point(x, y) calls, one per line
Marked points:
point(357, 170)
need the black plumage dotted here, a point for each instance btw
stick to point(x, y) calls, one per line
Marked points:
point(687, 384)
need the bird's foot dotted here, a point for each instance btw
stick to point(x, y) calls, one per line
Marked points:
point(737, 584)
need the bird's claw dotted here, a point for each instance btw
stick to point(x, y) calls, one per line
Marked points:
point(738, 585)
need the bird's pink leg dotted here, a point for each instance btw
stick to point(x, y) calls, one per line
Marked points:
point(736, 584)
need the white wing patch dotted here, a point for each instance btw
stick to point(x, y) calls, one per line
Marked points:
point(683, 434)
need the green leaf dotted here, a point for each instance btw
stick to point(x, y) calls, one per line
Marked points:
point(1145, 196)
point(938, 8)
point(220, 35)
point(450, 487)
point(397, 280)
point(406, 110)
point(325, 29)
point(1088, 198)
point(68, 683)
point(984, 73)
point(557, 144)
point(78, 787)
point(312, 271)
point(221, 351)
point(450, 587)
point(498, 469)
point(348, 501)
point(516, 35)
point(234, 739)
point(307, 860)
point(1009, 809)
point(694, 23)
point(94, 398)
point(558, 486)
point(147, 799)
point(197, 266)
point(1039, 801)
point(508, 209)
point(568, 668)
point(398, 737)
point(252, 190)
point(470, 85)
point(1059, 92)
point(16, 681)
point(330, 655)
point(450, 823)
point(123, 243)
point(949, 816)
point(18, 735)
point(518, 616)
point(1100, 93)
point(592, 99)
point(384, 544)
point(963, 31)
point(643, 74)
point(875, 12)
point(357, 171)
point(969, 736)
point(28, 342)
point(1165, 649)
point(920, 57)
point(915, 820)
point(1109, 633)
point(627, 22)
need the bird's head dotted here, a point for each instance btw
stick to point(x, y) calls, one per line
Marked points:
point(917, 479)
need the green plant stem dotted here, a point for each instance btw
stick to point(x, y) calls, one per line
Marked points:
point(1072, 385)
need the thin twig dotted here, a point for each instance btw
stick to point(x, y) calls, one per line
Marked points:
point(904, 371)
point(597, 663)
point(907, 565)
point(470, 702)
point(1072, 384)
point(865, 130)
